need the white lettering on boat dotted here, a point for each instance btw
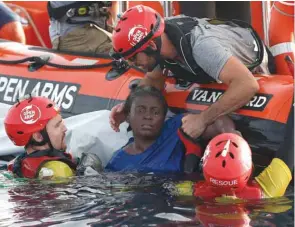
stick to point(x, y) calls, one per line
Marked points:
point(63, 94)
point(207, 96)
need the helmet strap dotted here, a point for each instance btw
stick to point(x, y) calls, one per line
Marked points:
point(45, 140)
point(155, 53)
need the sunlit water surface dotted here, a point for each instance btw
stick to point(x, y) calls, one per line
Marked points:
point(128, 200)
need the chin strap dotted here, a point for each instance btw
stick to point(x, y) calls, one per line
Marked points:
point(46, 140)
point(155, 53)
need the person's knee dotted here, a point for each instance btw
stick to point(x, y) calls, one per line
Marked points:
point(13, 31)
point(102, 40)
point(87, 39)
point(104, 47)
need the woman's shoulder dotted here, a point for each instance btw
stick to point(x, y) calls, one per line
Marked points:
point(176, 119)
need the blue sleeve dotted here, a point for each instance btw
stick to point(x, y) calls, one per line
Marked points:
point(174, 122)
point(6, 15)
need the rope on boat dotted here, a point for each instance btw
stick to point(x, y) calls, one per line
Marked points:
point(39, 61)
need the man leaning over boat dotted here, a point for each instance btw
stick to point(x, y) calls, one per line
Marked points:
point(194, 50)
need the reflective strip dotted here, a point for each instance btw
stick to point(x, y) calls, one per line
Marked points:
point(282, 48)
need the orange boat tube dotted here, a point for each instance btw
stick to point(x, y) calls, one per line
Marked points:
point(84, 89)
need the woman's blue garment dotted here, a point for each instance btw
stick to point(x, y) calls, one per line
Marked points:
point(164, 155)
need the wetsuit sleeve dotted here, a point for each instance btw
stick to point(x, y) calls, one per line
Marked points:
point(6, 15)
point(211, 56)
point(193, 152)
point(190, 146)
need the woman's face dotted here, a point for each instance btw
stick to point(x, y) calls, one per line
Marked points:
point(146, 117)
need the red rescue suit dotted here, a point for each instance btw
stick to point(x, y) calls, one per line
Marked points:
point(251, 191)
point(29, 165)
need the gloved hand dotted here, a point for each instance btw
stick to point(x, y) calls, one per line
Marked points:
point(89, 165)
point(275, 178)
point(193, 152)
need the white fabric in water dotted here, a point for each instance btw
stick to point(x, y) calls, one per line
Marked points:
point(91, 132)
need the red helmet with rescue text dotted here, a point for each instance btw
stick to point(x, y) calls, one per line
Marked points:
point(27, 117)
point(135, 29)
point(227, 162)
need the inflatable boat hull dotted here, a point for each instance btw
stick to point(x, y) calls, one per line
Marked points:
point(262, 121)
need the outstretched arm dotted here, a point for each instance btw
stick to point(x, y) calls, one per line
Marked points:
point(242, 86)
point(156, 78)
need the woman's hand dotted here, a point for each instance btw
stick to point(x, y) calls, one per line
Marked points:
point(117, 116)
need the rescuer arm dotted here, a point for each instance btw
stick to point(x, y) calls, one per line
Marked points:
point(156, 78)
point(242, 86)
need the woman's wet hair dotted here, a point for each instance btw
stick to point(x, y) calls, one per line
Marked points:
point(144, 91)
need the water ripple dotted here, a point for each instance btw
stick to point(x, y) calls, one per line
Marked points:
point(127, 200)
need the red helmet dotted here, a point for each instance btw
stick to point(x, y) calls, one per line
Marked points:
point(27, 117)
point(135, 29)
point(227, 162)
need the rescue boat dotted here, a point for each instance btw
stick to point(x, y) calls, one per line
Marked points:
point(82, 83)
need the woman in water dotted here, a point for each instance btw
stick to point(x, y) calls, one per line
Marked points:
point(158, 145)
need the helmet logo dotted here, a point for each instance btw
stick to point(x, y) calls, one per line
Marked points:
point(136, 34)
point(30, 114)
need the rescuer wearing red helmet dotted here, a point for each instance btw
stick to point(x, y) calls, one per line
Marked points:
point(227, 168)
point(36, 124)
point(194, 50)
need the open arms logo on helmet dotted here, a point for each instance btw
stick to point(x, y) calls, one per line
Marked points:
point(136, 34)
point(30, 114)
point(135, 29)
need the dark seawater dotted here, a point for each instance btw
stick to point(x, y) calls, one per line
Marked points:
point(128, 200)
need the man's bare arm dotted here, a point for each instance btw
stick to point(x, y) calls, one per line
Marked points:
point(242, 86)
point(156, 78)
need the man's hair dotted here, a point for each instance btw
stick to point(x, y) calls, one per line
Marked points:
point(144, 91)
